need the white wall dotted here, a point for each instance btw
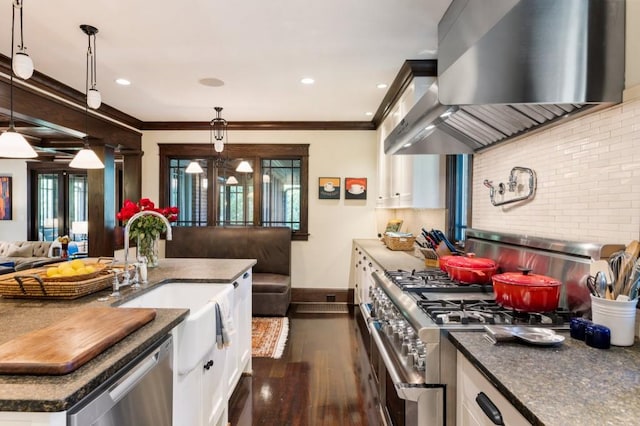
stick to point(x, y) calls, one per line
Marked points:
point(588, 180)
point(15, 229)
point(323, 260)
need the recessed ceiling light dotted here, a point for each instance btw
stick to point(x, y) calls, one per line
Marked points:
point(368, 113)
point(307, 80)
point(123, 81)
point(211, 82)
point(382, 86)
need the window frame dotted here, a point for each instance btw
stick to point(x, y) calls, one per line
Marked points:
point(255, 152)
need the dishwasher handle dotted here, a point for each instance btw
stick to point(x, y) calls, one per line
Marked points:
point(131, 379)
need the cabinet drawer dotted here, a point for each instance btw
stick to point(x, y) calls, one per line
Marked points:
point(470, 383)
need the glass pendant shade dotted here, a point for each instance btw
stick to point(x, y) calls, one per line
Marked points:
point(266, 178)
point(86, 159)
point(232, 180)
point(218, 145)
point(244, 167)
point(94, 100)
point(194, 167)
point(22, 65)
point(14, 145)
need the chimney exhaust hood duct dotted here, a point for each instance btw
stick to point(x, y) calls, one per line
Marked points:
point(509, 67)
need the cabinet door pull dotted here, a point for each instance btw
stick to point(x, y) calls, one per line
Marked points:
point(489, 409)
point(208, 365)
point(246, 275)
point(236, 284)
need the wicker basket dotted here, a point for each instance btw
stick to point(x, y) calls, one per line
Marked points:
point(399, 243)
point(29, 285)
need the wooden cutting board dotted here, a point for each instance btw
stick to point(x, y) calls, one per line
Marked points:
point(63, 347)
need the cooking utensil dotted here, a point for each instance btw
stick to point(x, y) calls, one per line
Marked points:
point(470, 269)
point(527, 292)
point(601, 283)
point(591, 285)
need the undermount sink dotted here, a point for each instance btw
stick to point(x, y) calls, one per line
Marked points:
point(195, 336)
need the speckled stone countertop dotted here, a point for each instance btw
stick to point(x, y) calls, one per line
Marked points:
point(390, 259)
point(569, 384)
point(59, 393)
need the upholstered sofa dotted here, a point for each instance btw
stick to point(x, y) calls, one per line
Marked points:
point(25, 254)
point(270, 246)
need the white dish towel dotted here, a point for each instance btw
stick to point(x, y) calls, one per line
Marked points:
point(224, 325)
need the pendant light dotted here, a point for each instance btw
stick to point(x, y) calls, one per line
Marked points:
point(232, 180)
point(21, 62)
point(94, 100)
point(219, 130)
point(86, 158)
point(12, 143)
point(244, 167)
point(194, 167)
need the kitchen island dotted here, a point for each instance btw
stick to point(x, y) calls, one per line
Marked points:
point(35, 393)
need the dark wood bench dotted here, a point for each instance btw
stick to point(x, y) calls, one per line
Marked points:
point(270, 246)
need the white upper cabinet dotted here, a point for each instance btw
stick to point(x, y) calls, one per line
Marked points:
point(409, 181)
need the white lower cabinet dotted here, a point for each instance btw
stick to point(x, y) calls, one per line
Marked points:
point(470, 383)
point(239, 352)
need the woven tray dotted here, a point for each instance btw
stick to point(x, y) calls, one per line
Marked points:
point(25, 286)
point(399, 243)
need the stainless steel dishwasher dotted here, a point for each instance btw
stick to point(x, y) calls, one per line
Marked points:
point(141, 394)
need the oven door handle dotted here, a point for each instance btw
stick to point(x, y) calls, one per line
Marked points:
point(406, 391)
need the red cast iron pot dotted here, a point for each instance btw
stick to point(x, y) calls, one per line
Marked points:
point(470, 269)
point(442, 261)
point(527, 292)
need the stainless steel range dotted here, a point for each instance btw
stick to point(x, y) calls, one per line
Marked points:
point(410, 311)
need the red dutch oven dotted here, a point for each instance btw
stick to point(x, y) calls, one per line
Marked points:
point(527, 292)
point(470, 269)
point(442, 261)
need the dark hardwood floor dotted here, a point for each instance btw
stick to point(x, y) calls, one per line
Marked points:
point(319, 380)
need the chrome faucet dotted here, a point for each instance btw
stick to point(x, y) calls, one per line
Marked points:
point(126, 236)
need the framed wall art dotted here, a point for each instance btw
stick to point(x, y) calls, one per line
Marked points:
point(329, 188)
point(355, 188)
point(5, 197)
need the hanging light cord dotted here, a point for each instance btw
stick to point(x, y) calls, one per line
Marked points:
point(94, 68)
point(18, 4)
point(86, 91)
point(13, 26)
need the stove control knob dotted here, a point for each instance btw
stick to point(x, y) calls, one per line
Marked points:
point(421, 362)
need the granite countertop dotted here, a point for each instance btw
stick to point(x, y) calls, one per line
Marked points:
point(59, 393)
point(569, 384)
point(389, 259)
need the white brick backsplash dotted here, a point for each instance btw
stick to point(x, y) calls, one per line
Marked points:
point(588, 172)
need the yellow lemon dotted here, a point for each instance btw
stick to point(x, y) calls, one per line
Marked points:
point(63, 266)
point(81, 271)
point(52, 271)
point(77, 264)
point(90, 269)
point(68, 272)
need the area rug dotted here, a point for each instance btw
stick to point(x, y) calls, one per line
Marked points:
point(269, 336)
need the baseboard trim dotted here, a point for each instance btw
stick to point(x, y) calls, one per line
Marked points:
point(302, 295)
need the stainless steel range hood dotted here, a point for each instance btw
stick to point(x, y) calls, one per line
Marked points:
point(508, 67)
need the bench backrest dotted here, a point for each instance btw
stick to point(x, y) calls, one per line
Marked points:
point(270, 246)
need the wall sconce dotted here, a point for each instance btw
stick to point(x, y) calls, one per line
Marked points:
point(12, 143)
point(86, 158)
point(219, 130)
point(244, 167)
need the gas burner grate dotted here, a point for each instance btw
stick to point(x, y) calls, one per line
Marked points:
point(489, 312)
point(432, 280)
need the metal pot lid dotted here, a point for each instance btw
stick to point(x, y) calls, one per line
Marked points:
point(526, 278)
point(472, 262)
